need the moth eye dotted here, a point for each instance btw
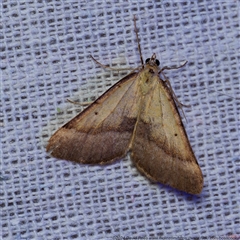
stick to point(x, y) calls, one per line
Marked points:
point(147, 60)
point(157, 62)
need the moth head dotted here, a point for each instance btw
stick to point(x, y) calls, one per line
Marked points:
point(152, 61)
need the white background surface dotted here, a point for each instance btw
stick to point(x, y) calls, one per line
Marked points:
point(45, 48)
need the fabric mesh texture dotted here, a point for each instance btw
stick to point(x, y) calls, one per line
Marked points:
point(45, 48)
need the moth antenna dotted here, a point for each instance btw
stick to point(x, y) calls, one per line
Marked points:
point(138, 42)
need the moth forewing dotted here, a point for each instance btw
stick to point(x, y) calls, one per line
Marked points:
point(102, 132)
point(160, 147)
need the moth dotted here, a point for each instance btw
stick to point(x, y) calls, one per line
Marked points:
point(138, 115)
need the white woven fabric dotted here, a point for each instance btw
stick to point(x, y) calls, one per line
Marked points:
point(45, 48)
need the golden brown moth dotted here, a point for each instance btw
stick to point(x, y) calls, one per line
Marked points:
point(138, 115)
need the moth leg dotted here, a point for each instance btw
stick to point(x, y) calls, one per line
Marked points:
point(170, 68)
point(83, 104)
point(169, 84)
point(179, 104)
point(106, 66)
point(228, 95)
